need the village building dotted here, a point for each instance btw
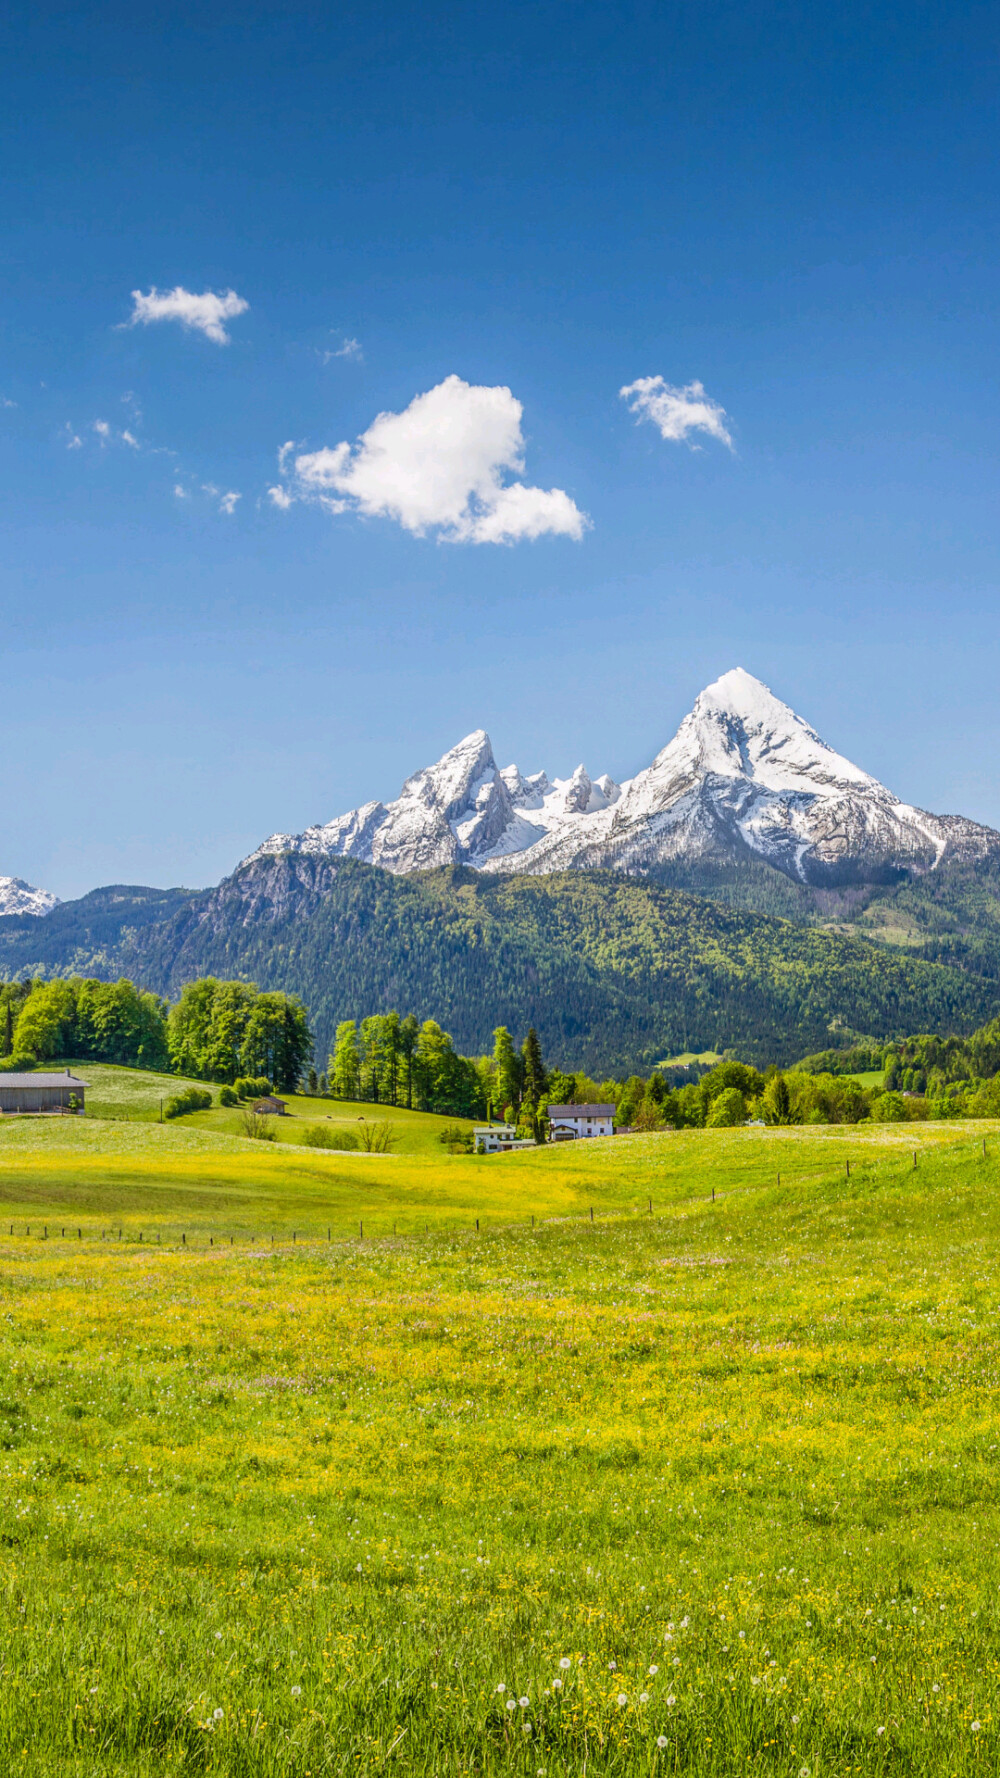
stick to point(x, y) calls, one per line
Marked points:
point(566, 1121)
point(42, 1092)
point(498, 1139)
point(270, 1107)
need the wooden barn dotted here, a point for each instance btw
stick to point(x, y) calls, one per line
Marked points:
point(42, 1092)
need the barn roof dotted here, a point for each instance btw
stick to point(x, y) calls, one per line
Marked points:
point(41, 1080)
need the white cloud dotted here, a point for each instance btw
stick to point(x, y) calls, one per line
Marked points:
point(181, 493)
point(439, 466)
point(227, 504)
point(349, 349)
point(280, 497)
point(5, 401)
point(73, 440)
point(205, 312)
point(108, 435)
point(676, 412)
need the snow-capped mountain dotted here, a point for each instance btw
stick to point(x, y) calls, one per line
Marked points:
point(463, 810)
point(743, 777)
point(18, 897)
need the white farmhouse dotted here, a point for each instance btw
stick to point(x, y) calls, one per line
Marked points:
point(498, 1139)
point(581, 1120)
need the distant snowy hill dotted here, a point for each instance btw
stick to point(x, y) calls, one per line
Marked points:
point(744, 777)
point(18, 897)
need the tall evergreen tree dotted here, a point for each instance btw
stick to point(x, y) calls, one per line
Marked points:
point(507, 1064)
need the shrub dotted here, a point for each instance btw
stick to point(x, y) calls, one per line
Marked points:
point(193, 1099)
point(455, 1139)
point(257, 1125)
point(228, 1096)
point(17, 1064)
point(320, 1136)
point(889, 1108)
point(376, 1138)
point(247, 1087)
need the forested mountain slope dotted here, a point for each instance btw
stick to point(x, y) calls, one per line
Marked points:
point(614, 973)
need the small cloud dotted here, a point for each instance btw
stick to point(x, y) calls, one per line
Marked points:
point(349, 349)
point(280, 497)
point(227, 504)
point(108, 435)
point(181, 493)
point(73, 440)
point(677, 412)
point(439, 466)
point(5, 401)
point(203, 313)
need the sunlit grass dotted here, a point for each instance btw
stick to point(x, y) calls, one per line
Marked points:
point(306, 1510)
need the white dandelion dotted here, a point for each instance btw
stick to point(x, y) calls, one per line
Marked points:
point(565, 1663)
point(661, 1740)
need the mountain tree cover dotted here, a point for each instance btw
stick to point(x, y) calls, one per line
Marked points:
point(612, 972)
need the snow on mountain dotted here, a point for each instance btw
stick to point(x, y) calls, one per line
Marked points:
point(743, 777)
point(18, 897)
point(463, 810)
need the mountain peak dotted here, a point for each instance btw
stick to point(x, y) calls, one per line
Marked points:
point(743, 777)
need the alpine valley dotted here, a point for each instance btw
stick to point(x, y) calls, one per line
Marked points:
point(751, 889)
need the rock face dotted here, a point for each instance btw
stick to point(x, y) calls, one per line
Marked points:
point(743, 777)
point(18, 897)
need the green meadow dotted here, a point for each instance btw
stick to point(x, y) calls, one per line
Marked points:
point(709, 1487)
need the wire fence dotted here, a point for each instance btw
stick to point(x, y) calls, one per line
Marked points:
point(202, 1239)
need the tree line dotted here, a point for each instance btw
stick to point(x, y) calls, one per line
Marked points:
point(217, 1030)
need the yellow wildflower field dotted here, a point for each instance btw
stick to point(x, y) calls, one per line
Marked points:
point(712, 1489)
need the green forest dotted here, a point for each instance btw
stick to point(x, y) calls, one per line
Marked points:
point(218, 1031)
point(613, 973)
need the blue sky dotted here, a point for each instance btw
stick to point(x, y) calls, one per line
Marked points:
point(795, 207)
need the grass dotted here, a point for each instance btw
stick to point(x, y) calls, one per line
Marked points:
point(135, 1095)
point(713, 1490)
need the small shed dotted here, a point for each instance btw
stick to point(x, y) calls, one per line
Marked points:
point(270, 1107)
point(42, 1092)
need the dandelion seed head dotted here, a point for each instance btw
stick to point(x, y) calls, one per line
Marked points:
point(524, 1702)
point(644, 1697)
point(218, 1713)
point(671, 1700)
point(511, 1703)
point(654, 1670)
point(661, 1740)
point(564, 1662)
point(296, 1691)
